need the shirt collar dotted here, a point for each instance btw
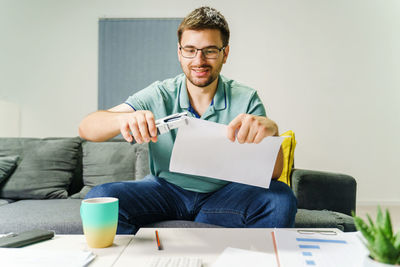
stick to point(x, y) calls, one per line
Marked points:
point(219, 97)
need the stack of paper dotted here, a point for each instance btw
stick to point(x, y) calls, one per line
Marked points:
point(235, 257)
point(22, 257)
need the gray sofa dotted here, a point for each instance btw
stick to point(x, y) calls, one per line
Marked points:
point(42, 183)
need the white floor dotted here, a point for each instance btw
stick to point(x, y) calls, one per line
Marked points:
point(362, 210)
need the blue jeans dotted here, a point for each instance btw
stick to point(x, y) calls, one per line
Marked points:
point(153, 199)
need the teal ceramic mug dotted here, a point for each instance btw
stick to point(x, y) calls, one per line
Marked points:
point(99, 220)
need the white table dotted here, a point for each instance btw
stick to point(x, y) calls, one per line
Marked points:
point(105, 257)
point(138, 250)
point(206, 243)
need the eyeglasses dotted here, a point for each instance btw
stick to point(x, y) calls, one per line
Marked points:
point(208, 52)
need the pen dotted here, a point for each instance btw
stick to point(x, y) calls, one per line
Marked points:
point(10, 234)
point(322, 232)
point(158, 241)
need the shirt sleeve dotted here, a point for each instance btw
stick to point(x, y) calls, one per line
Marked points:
point(145, 98)
point(256, 107)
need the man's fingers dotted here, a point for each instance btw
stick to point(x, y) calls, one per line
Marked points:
point(135, 131)
point(243, 132)
point(251, 134)
point(144, 130)
point(232, 129)
point(125, 133)
point(259, 137)
point(261, 133)
point(233, 126)
point(151, 124)
point(139, 125)
point(247, 130)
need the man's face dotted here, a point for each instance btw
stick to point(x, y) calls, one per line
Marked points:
point(201, 71)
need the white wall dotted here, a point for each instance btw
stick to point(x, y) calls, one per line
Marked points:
point(329, 70)
point(9, 119)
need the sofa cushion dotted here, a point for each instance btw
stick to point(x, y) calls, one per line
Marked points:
point(112, 161)
point(180, 224)
point(4, 201)
point(324, 219)
point(7, 166)
point(60, 215)
point(45, 169)
point(318, 190)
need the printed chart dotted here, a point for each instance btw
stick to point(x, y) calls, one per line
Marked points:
point(323, 248)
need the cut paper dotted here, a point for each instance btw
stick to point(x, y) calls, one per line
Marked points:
point(202, 148)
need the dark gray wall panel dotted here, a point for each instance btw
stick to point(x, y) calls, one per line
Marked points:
point(133, 53)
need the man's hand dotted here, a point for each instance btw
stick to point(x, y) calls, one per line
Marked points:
point(139, 125)
point(251, 128)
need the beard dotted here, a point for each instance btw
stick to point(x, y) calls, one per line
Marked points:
point(202, 81)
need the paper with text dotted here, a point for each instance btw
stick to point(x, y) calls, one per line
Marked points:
point(203, 148)
point(22, 257)
point(235, 257)
point(319, 250)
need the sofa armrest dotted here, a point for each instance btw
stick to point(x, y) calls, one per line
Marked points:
point(316, 190)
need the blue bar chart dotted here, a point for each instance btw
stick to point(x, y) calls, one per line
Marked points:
point(316, 249)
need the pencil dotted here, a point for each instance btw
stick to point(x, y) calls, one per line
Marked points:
point(275, 248)
point(158, 241)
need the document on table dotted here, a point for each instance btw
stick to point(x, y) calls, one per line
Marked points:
point(22, 257)
point(202, 148)
point(295, 248)
point(235, 257)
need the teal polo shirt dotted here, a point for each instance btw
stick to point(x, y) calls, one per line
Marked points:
point(170, 96)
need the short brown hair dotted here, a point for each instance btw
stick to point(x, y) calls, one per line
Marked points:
point(205, 18)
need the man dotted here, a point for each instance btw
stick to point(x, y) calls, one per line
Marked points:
point(201, 91)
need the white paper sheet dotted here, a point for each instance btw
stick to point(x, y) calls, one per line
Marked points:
point(235, 257)
point(319, 250)
point(22, 257)
point(202, 148)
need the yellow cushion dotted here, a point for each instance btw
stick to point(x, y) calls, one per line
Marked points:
point(288, 146)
